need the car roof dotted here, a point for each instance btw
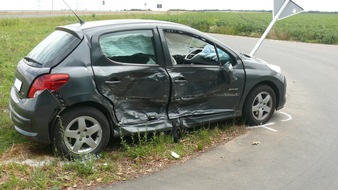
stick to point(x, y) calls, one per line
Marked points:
point(93, 24)
point(89, 27)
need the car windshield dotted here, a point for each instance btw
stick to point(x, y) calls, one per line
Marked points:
point(53, 49)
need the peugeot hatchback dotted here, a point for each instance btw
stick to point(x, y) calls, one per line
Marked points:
point(86, 82)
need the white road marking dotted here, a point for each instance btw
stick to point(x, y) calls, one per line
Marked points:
point(265, 126)
point(271, 123)
point(288, 115)
point(271, 129)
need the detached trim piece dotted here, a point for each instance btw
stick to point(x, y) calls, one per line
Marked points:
point(26, 133)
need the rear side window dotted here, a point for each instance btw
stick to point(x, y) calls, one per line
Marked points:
point(129, 47)
point(53, 49)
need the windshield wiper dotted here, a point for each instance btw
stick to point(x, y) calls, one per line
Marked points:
point(32, 60)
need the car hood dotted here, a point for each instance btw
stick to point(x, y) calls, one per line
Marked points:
point(256, 63)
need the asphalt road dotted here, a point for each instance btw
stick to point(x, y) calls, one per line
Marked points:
point(298, 150)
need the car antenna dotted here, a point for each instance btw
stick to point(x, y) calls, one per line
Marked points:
point(81, 21)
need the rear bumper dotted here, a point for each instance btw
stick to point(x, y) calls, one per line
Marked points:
point(32, 117)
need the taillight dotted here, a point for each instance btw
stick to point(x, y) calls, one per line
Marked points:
point(52, 82)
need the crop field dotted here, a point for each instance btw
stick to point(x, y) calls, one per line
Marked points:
point(19, 35)
point(306, 27)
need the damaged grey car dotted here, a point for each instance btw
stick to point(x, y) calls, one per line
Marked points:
point(87, 82)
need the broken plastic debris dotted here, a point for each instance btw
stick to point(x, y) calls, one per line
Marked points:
point(255, 143)
point(175, 155)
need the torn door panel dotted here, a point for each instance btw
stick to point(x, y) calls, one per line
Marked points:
point(139, 93)
point(198, 91)
point(158, 126)
point(132, 112)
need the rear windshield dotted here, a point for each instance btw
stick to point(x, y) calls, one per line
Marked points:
point(53, 49)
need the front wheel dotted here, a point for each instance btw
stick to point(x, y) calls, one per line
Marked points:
point(259, 106)
point(80, 131)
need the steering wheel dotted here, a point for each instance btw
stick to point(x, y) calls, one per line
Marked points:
point(192, 54)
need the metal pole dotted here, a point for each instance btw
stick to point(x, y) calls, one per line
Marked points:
point(274, 20)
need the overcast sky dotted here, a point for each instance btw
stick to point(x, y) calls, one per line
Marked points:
point(315, 5)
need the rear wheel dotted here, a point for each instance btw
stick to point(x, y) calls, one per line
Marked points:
point(79, 131)
point(259, 106)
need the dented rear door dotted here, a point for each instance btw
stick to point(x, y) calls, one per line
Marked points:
point(129, 71)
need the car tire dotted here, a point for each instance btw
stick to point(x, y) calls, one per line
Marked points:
point(259, 106)
point(84, 130)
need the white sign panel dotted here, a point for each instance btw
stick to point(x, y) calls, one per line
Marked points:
point(291, 9)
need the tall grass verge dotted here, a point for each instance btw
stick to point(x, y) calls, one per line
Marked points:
point(125, 159)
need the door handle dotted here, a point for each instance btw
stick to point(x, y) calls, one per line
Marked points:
point(112, 81)
point(180, 80)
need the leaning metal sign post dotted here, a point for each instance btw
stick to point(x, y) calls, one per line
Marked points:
point(281, 10)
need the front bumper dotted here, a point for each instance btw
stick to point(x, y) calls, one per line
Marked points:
point(282, 96)
point(32, 117)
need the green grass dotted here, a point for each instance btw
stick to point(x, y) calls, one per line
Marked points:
point(123, 160)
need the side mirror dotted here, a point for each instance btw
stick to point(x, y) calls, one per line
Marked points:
point(229, 72)
point(227, 67)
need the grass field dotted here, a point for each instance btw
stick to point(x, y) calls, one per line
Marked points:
point(19, 36)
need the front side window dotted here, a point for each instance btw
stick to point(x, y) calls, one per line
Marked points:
point(190, 49)
point(129, 47)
